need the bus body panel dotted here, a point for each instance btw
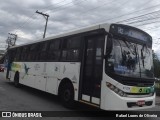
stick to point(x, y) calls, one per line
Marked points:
point(46, 76)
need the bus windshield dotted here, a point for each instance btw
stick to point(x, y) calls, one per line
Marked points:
point(131, 59)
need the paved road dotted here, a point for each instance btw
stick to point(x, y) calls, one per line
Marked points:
point(29, 99)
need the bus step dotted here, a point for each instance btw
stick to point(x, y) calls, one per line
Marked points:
point(92, 104)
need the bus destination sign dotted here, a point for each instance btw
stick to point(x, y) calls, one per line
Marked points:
point(130, 32)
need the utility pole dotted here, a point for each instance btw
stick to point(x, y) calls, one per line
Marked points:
point(46, 17)
point(11, 40)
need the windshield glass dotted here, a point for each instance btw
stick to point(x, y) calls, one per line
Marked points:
point(131, 59)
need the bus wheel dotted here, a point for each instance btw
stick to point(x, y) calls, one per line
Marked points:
point(16, 80)
point(67, 96)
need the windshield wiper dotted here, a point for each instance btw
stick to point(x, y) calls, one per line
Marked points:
point(135, 52)
point(142, 57)
point(142, 53)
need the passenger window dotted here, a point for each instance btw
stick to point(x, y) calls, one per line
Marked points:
point(43, 51)
point(55, 44)
point(54, 50)
point(71, 48)
point(32, 53)
point(25, 52)
point(18, 54)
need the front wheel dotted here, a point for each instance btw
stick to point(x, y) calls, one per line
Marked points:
point(67, 96)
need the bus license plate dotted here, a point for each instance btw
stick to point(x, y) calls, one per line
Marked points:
point(141, 102)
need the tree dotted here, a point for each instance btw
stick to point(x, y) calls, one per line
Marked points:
point(156, 63)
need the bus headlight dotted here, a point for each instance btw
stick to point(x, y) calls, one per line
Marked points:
point(115, 89)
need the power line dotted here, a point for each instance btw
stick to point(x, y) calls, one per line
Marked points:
point(127, 13)
point(70, 2)
point(144, 20)
point(65, 5)
point(54, 4)
point(92, 9)
point(141, 10)
point(29, 18)
point(130, 12)
point(95, 7)
point(54, 8)
point(140, 16)
point(141, 21)
point(147, 23)
point(156, 27)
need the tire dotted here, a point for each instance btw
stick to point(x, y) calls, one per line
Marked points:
point(16, 80)
point(67, 96)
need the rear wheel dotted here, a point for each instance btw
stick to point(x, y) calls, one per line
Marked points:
point(67, 95)
point(16, 80)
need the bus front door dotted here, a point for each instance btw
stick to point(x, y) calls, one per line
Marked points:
point(92, 69)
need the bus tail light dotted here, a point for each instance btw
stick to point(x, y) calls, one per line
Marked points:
point(115, 89)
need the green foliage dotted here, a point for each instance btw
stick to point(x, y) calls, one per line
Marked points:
point(156, 63)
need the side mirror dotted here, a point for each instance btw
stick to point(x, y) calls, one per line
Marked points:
point(109, 46)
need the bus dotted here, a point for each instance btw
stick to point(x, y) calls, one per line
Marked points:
point(108, 66)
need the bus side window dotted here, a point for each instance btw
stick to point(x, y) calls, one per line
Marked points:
point(37, 51)
point(32, 54)
point(71, 49)
point(18, 54)
point(43, 51)
point(25, 51)
point(54, 50)
point(12, 54)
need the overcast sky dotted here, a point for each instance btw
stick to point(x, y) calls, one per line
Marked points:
point(19, 17)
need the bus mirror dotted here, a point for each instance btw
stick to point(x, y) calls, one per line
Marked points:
point(110, 35)
point(109, 46)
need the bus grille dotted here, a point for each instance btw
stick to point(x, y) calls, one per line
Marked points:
point(133, 104)
point(138, 83)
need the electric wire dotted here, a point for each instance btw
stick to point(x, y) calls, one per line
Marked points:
point(29, 18)
point(137, 11)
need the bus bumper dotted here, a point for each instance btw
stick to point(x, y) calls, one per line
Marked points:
point(112, 101)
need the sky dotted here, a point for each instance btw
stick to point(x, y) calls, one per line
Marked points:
point(19, 17)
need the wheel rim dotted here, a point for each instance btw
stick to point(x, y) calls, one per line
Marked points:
point(67, 95)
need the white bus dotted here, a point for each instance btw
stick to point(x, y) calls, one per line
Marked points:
point(108, 66)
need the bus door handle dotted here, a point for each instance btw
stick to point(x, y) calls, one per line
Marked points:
point(45, 76)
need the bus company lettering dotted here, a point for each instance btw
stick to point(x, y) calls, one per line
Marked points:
point(34, 115)
point(14, 114)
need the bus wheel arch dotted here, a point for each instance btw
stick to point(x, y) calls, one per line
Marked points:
point(66, 93)
point(16, 79)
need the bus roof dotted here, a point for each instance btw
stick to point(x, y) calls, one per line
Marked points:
point(106, 26)
point(84, 29)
